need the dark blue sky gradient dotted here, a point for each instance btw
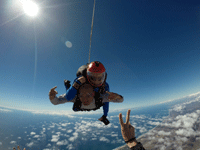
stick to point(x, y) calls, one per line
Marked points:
point(150, 49)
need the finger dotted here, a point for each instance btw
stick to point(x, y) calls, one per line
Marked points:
point(128, 116)
point(121, 120)
point(54, 87)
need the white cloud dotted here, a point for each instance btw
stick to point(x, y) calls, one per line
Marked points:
point(69, 131)
point(186, 132)
point(58, 133)
point(113, 135)
point(65, 124)
point(19, 138)
point(142, 129)
point(30, 144)
point(36, 136)
point(32, 133)
point(154, 123)
point(104, 139)
point(164, 133)
point(161, 140)
point(94, 138)
point(48, 145)
point(5, 110)
point(72, 139)
point(55, 138)
point(63, 142)
point(0, 143)
point(13, 142)
point(70, 146)
point(84, 139)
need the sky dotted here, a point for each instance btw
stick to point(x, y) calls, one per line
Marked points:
point(150, 49)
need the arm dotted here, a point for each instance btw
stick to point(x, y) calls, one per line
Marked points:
point(57, 100)
point(72, 91)
point(112, 97)
point(60, 100)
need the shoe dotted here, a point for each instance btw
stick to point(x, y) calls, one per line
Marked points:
point(104, 120)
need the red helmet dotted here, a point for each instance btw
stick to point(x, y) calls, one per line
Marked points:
point(96, 73)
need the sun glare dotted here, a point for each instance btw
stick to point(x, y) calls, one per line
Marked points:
point(30, 8)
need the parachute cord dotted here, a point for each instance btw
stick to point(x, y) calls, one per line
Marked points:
point(91, 31)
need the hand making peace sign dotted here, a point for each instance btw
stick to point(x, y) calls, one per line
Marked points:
point(127, 130)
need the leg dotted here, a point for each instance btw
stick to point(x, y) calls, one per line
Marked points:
point(105, 109)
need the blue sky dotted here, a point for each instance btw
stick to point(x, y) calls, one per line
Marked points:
point(150, 49)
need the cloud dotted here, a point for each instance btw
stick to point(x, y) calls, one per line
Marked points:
point(154, 123)
point(72, 139)
point(164, 133)
point(30, 144)
point(69, 131)
point(63, 142)
point(94, 138)
point(55, 138)
point(48, 145)
point(13, 142)
point(5, 110)
point(0, 143)
point(186, 132)
point(65, 124)
point(142, 129)
point(104, 139)
point(36, 136)
point(32, 133)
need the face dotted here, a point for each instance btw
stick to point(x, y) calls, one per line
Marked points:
point(97, 79)
point(86, 96)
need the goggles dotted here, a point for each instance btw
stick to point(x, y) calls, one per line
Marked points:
point(96, 76)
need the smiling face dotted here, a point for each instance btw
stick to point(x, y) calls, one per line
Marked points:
point(86, 94)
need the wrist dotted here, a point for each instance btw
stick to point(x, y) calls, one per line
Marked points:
point(132, 143)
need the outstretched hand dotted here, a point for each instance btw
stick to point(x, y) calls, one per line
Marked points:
point(113, 96)
point(127, 130)
point(52, 93)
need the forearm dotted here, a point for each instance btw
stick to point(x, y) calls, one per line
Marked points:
point(59, 100)
point(118, 99)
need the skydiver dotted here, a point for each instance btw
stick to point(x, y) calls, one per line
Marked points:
point(85, 99)
point(94, 74)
